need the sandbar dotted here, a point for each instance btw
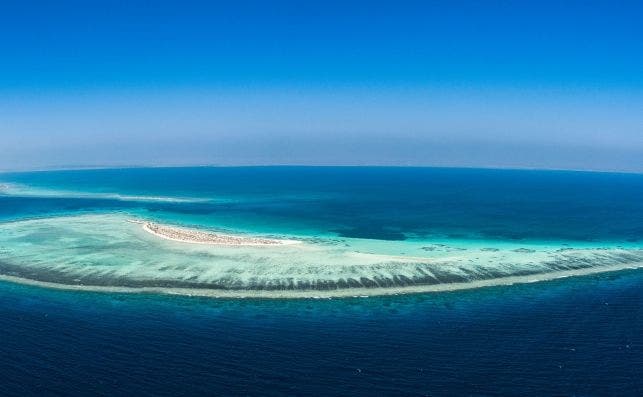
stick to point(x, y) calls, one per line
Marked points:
point(193, 236)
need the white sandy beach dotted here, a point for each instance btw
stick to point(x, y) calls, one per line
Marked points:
point(193, 236)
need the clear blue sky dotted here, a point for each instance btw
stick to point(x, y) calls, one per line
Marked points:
point(470, 83)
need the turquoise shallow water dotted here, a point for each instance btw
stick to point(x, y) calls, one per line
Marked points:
point(577, 335)
point(360, 231)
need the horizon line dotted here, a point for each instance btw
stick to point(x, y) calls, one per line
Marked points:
point(296, 165)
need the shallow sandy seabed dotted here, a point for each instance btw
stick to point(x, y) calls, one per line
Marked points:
point(108, 253)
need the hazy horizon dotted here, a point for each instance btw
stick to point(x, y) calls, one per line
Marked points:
point(543, 85)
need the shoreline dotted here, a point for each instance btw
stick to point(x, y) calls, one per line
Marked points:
point(194, 236)
point(322, 294)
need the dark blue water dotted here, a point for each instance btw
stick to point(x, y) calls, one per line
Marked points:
point(579, 336)
point(572, 337)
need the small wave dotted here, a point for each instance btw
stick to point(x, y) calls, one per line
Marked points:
point(360, 293)
point(11, 189)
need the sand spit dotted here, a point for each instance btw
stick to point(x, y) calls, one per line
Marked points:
point(193, 236)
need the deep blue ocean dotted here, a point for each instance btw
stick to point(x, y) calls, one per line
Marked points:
point(385, 203)
point(577, 336)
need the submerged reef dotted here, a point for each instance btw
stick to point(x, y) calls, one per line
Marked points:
point(108, 253)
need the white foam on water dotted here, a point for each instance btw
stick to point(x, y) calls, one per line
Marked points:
point(14, 189)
